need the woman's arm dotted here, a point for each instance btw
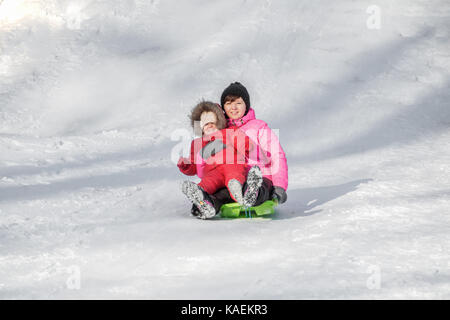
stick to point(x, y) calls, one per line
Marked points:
point(273, 155)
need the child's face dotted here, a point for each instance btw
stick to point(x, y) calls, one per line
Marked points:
point(235, 109)
point(209, 128)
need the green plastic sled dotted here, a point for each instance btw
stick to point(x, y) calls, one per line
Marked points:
point(234, 210)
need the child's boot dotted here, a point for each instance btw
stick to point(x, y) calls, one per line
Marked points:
point(254, 182)
point(199, 198)
point(235, 188)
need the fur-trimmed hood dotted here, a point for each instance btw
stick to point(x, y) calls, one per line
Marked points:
point(207, 106)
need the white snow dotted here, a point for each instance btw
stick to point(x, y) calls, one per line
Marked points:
point(91, 93)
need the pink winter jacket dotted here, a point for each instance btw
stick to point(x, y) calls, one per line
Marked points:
point(268, 154)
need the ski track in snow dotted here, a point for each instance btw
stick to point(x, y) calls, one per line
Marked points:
point(90, 201)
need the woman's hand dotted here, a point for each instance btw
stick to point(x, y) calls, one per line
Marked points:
point(280, 194)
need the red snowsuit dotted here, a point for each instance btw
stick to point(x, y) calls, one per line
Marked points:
point(225, 152)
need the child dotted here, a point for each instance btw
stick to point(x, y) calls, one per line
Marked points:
point(224, 153)
point(268, 153)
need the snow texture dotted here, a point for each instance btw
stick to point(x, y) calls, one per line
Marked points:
point(94, 96)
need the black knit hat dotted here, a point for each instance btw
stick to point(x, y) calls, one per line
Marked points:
point(236, 89)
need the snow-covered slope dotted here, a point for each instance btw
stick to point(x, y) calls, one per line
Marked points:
point(91, 96)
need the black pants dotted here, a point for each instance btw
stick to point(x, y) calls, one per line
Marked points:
point(222, 196)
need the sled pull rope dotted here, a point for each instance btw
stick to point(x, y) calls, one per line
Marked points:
point(248, 213)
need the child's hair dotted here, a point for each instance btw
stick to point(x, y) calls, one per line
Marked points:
point(207, 106)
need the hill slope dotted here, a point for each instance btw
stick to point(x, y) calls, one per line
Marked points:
point(92, 96)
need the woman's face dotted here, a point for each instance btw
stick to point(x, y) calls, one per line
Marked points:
point(235, 109)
